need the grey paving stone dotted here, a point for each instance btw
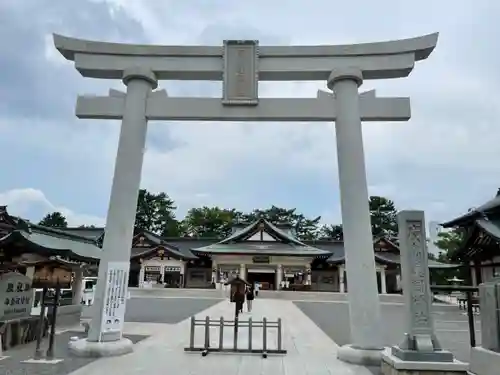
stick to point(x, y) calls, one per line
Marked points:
point(450, 323)
point(14, 365)
point(153, 309)
point(165, 310)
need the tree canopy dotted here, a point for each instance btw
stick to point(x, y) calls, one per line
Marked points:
point(156, 213)
point(213, 222)
point(383, 217)
point(54, 220)
point(333, 232)
point(449, 242)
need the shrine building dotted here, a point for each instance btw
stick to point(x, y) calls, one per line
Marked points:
point(263, 252)
point(480, 248)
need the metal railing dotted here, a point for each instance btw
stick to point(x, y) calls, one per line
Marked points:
point(236, 324)
point(470, 303)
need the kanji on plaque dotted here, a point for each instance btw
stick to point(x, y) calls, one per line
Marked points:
point(114, 316)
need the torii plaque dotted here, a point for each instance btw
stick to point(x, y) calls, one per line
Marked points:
point(241, 65)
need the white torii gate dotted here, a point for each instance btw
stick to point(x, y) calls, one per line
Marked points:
point(241, 65)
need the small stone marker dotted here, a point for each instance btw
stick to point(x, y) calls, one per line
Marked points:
point(485, 359)
point(420, 342)
point(489, 301)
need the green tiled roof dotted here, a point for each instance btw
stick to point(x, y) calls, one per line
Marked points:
point(55, 242)
point(262, 249)
point(249, 228)
point(286, 244)
point(183, 253)
point(92, 233)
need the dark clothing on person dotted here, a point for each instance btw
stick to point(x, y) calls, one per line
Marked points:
point(239, 299)
point(250, 295)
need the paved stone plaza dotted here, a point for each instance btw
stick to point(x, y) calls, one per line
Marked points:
point(315, 324)
point(451, 325)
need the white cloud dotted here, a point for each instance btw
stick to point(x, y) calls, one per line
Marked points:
point(21, 202)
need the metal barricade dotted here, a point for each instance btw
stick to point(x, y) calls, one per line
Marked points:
point(236, 324)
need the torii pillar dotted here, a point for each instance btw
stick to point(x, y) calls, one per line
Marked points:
point(364, 305)
point(114, 264)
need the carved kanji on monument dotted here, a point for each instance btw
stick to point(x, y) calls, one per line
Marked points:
point(420, 342)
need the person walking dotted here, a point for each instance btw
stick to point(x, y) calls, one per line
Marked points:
point(256, 288)
point(250, 298)
point(239, 300)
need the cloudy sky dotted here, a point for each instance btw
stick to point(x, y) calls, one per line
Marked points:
point(444, 160)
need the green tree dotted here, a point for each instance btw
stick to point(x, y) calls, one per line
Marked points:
point(307, 229)
point(383, 215)
point(54, 220)
point(332, 232)
point(156, 213)
point(449, 242)
point(274, 214)
point(211, 222)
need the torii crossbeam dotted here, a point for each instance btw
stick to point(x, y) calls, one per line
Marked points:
point(161, 107)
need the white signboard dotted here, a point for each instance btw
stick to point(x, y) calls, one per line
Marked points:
point(16, 296)
point(115, 296)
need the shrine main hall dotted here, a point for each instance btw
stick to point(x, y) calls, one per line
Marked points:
point(261, 251)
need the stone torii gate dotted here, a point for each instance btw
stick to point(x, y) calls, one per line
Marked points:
point(241, 64)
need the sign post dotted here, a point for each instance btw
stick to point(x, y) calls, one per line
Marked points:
point(16, 296)
point(114, 300)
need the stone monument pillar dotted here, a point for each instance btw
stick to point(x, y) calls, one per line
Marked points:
point(419, 350)
point(364, 305)
point(105, 334)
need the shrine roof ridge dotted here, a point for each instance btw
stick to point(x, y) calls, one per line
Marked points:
point(28, 226)
point(421, 46)
point(490, 207)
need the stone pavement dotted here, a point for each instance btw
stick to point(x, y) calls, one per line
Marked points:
point(14, 362)
point(272, 294)
point(144, 318)
point(163, 315)
point(310, 351)
point(450, 324)
point(158, 309)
